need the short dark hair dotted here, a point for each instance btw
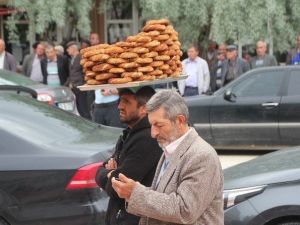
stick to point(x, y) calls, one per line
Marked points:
point(34, 45)
point(83, 40)
point(70, 43)
point(194, 47)
point(49, 46)
point(142, 95)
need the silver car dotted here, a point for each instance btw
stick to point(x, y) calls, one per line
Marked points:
point(61, 97)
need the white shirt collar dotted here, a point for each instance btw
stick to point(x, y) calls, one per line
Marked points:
point(192, 61)
point(55, 60)
point(170, 148)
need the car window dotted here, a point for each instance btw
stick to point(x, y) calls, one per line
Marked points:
point(294, 83)
point(262, 84)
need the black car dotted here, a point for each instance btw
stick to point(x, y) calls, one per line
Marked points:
point(264, 191)
point(48, 162)
point(259, 110)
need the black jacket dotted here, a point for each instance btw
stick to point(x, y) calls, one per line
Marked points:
point(62, 66)
point(137, 155)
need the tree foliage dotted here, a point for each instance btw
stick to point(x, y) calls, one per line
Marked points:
point(190, 17)
point(41, 14)
point(249, 21)
point(243, 21)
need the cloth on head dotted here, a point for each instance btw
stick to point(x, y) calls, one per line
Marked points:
point(134, 90)
point(70, 43)
point(231, 47)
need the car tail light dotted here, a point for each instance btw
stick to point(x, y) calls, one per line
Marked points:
point(84, 177)
point(45, 97)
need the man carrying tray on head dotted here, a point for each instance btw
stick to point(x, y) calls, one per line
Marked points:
point(136, 152)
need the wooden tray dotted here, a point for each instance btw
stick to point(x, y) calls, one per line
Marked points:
point(131, 84)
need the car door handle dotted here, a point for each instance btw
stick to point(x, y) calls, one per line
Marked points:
point(270, 104)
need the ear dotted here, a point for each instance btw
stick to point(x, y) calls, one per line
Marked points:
point(142, 110)
point(181, 120)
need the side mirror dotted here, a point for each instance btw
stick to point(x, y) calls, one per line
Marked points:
point(229, 95)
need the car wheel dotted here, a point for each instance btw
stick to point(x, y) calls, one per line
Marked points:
point(3, 222)
point(289, 223)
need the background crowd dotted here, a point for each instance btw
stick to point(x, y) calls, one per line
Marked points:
point(207, 71)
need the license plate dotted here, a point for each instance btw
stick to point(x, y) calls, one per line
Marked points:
point(68, 106)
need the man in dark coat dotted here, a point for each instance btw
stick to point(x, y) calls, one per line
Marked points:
point(136, 153)
point(76, 79)
point(54, 67)
point(216, 75)
point(262, 59)
point(233, 66)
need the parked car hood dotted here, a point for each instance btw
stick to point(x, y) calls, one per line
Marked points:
point(277, 167)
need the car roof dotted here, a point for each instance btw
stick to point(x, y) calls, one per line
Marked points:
point(49, 127)
point(59, 93)
point(12, 78)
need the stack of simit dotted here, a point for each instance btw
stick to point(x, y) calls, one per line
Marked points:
point(152, 54)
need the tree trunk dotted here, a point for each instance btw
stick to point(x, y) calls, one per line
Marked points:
point(31, 29)
point(270, 37)
point(240, 47)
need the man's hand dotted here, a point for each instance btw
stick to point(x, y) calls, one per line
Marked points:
point(111, 164)
point(124, 186)
point(105, 92)
point(109, 174)
point(108, 92)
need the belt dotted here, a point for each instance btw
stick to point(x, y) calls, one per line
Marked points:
point(191, 87)
point(101, 105)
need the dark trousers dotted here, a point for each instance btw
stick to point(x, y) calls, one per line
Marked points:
point(82, 103)
point(90, 99)
point(107, 114)
point(190, 91)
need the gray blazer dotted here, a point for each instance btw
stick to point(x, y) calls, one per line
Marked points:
point(27, 64)
point(76, 76)
point(189, 192)
point(241, 67)
point(268, 60)
point(10, 62)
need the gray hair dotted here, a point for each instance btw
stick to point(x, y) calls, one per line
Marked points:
point(171, 102)
point(262, 42)
point(49, 46)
